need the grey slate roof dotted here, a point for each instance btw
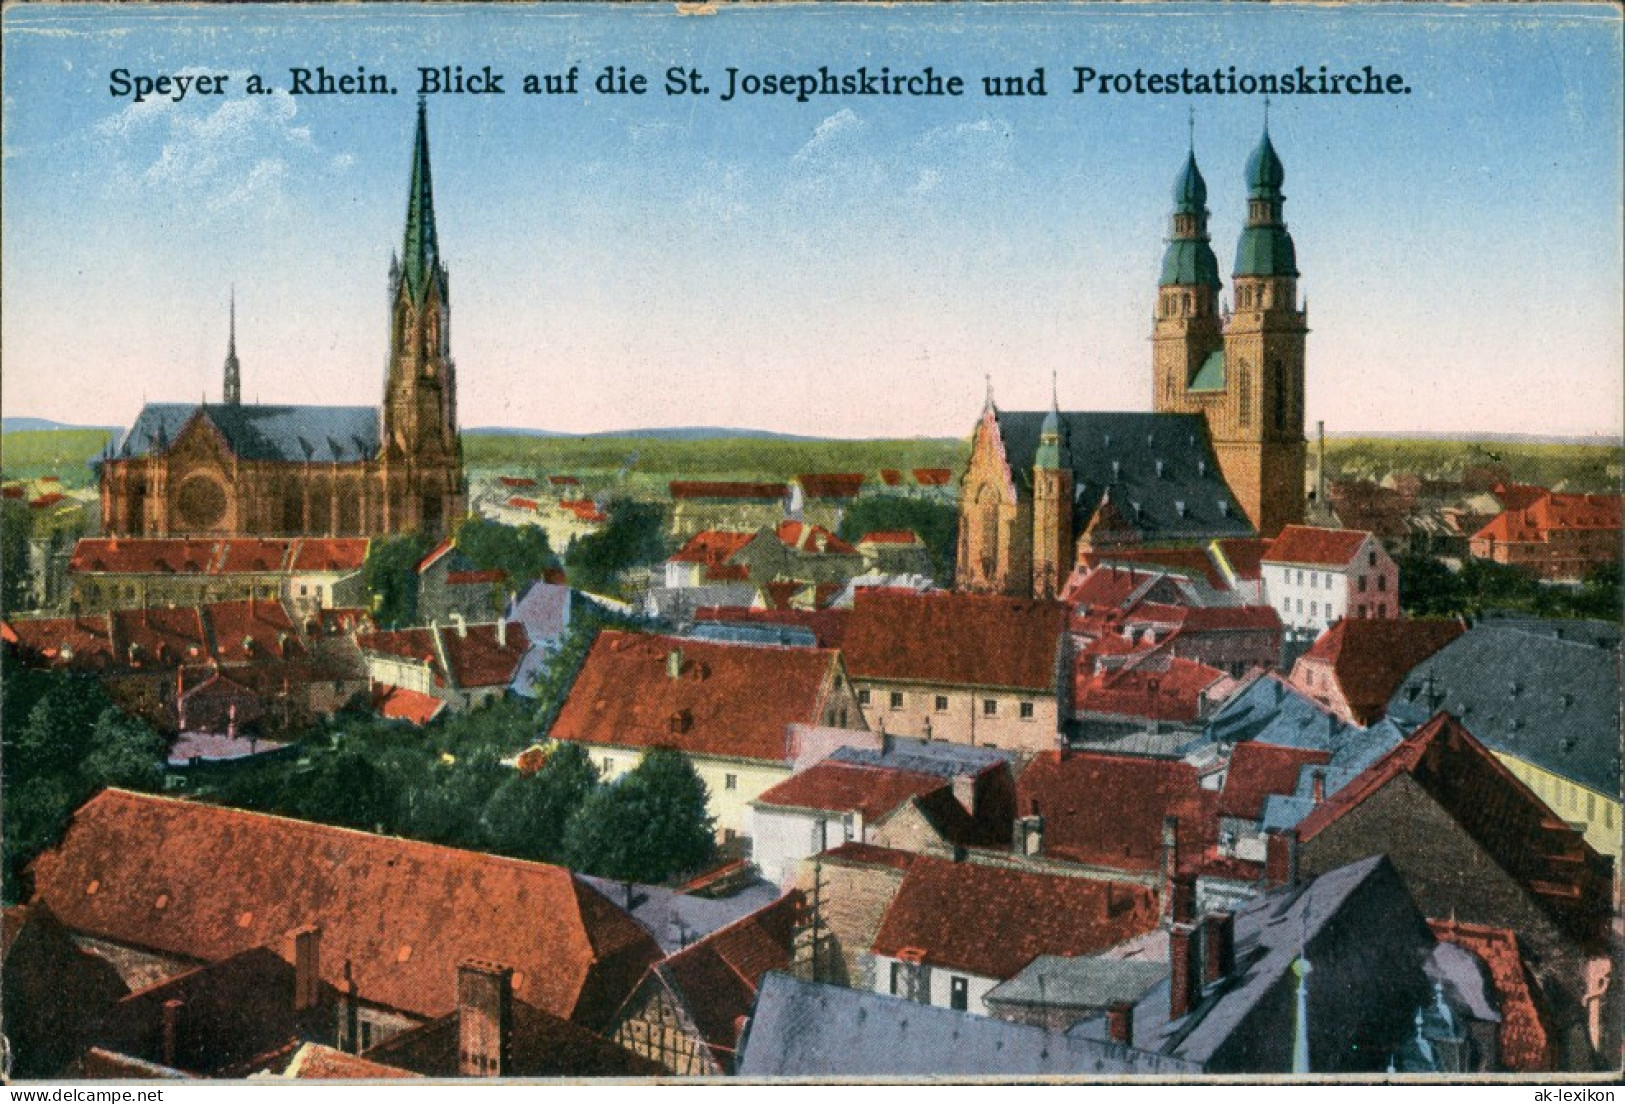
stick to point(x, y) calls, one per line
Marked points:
point(731, 632)
point(1053, 981)
point(1522, 691)
point(805, 1029)
point(937, 757)
point(1272, 712)
point(676, 920)
point(1360, 899)
point(322, 434)
point(1137, 444)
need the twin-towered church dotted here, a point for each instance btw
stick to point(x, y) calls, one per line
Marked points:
point(1223, 454)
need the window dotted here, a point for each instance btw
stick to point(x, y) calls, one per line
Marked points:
point(1026, 711)
point(1359, 610)
point(1371, 560)
point(897, 699)
point(1359, 584)
point(959, 994)
point(609, 764)
point(303, 590)
point(1300, 605)
point(729, 835)
point(990, 708)
point(897, 979)
point(1382, 609)
point(1314, 609)
point(1314, 579)
point(730, 781)
point(942, 703)
point(1382, 582)
point(1300, 578)
point(863, 697)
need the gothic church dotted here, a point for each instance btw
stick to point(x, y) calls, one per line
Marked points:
point(235, 468)
point(1223, 454)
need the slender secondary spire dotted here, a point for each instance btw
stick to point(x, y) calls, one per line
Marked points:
point(233, 389)
point(420, 258)
point(988, 402)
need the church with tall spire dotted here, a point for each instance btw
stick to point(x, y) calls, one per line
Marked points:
point(234, 468)
point(1221, 455)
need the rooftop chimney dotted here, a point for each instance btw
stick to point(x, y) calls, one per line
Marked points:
point(172, 1018)
point(1120, 1023)
point(1170, 863)
point(1181, 970)
point(502, 632)
point(674, 663)
point(1318, 781)
point(1030, 834)
point(349, 1008)
point(1218, 946)
point(458, 620)
point(484, 1019)
point(307, 962)
point(1281, 857)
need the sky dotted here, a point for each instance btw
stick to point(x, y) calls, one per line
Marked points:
point(854, 266)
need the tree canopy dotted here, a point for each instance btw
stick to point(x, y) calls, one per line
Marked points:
point(634, 535)
point(519, 551)
point(392, 578)
point(936, 523)
point(650, 824)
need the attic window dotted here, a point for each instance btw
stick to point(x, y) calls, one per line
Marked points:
point(162, 902)
point(245, 919)
point(680, 721)
point(95, 884)
point(404, 955)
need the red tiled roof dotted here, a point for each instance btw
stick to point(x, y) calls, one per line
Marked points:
point(868, 854)
point(49, 499)
point(1168, 690)
point(831, 484)
point(315, 1062)
point(330, 554)
point(1553, 512)
point(1517, 496)
point(252, 630)
point(516, 481)
point(161, 636)
point(849, 787)
point(400, 704)
point(711, 547)
point(891, 477)
point(522, 503)
point(828, 626)
point(691, 488)
point(403, 914)
point(14, 490)
point(1370, 659)
point(1515, 829)
point(1302, 544)
point(802, 537)
point(716, 978)
point(1221, 618)
point(933, 477)
point(564, 480)
point(476, 657)
point(728, 699)
point(77, 642)
point(1245, 555)
point(1193, 562)
point(944, 638)
point(475, 578)
point(435, 553)
point(1524, 1035)
point(584, 508)
point(1108, 810)
point(992, 921)
point(1258, 770)
point(891, 536)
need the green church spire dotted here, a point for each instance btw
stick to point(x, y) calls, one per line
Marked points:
point(420, 258)
point(1265, 248)
point(1189, 261)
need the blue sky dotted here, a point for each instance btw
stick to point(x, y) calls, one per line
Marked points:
point(850, 265)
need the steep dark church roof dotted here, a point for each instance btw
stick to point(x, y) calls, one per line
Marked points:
point(1158, 470)
point(338, 434)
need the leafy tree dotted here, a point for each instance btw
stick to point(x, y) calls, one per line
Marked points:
point(16, 523)
point(392, 578)
point(519, 551)
point(936, 523)
point(634, 535)
point(526, 816)
point(123, 752)
point(445, 804)
point(1427, 588)
point(345, 789)
point(647, 826)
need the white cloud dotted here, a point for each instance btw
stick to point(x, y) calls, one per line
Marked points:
point(228, 150)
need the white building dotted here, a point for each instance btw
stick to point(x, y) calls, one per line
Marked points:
point(1315, 577)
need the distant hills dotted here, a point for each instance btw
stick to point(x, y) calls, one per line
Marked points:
point(723, 433)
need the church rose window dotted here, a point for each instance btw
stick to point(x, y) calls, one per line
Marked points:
point(201, 502)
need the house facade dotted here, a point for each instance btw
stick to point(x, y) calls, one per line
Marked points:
point(1315, 577)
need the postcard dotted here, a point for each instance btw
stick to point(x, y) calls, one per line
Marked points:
point(812, 541)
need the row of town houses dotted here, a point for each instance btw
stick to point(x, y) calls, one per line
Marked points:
point(1237, 814)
